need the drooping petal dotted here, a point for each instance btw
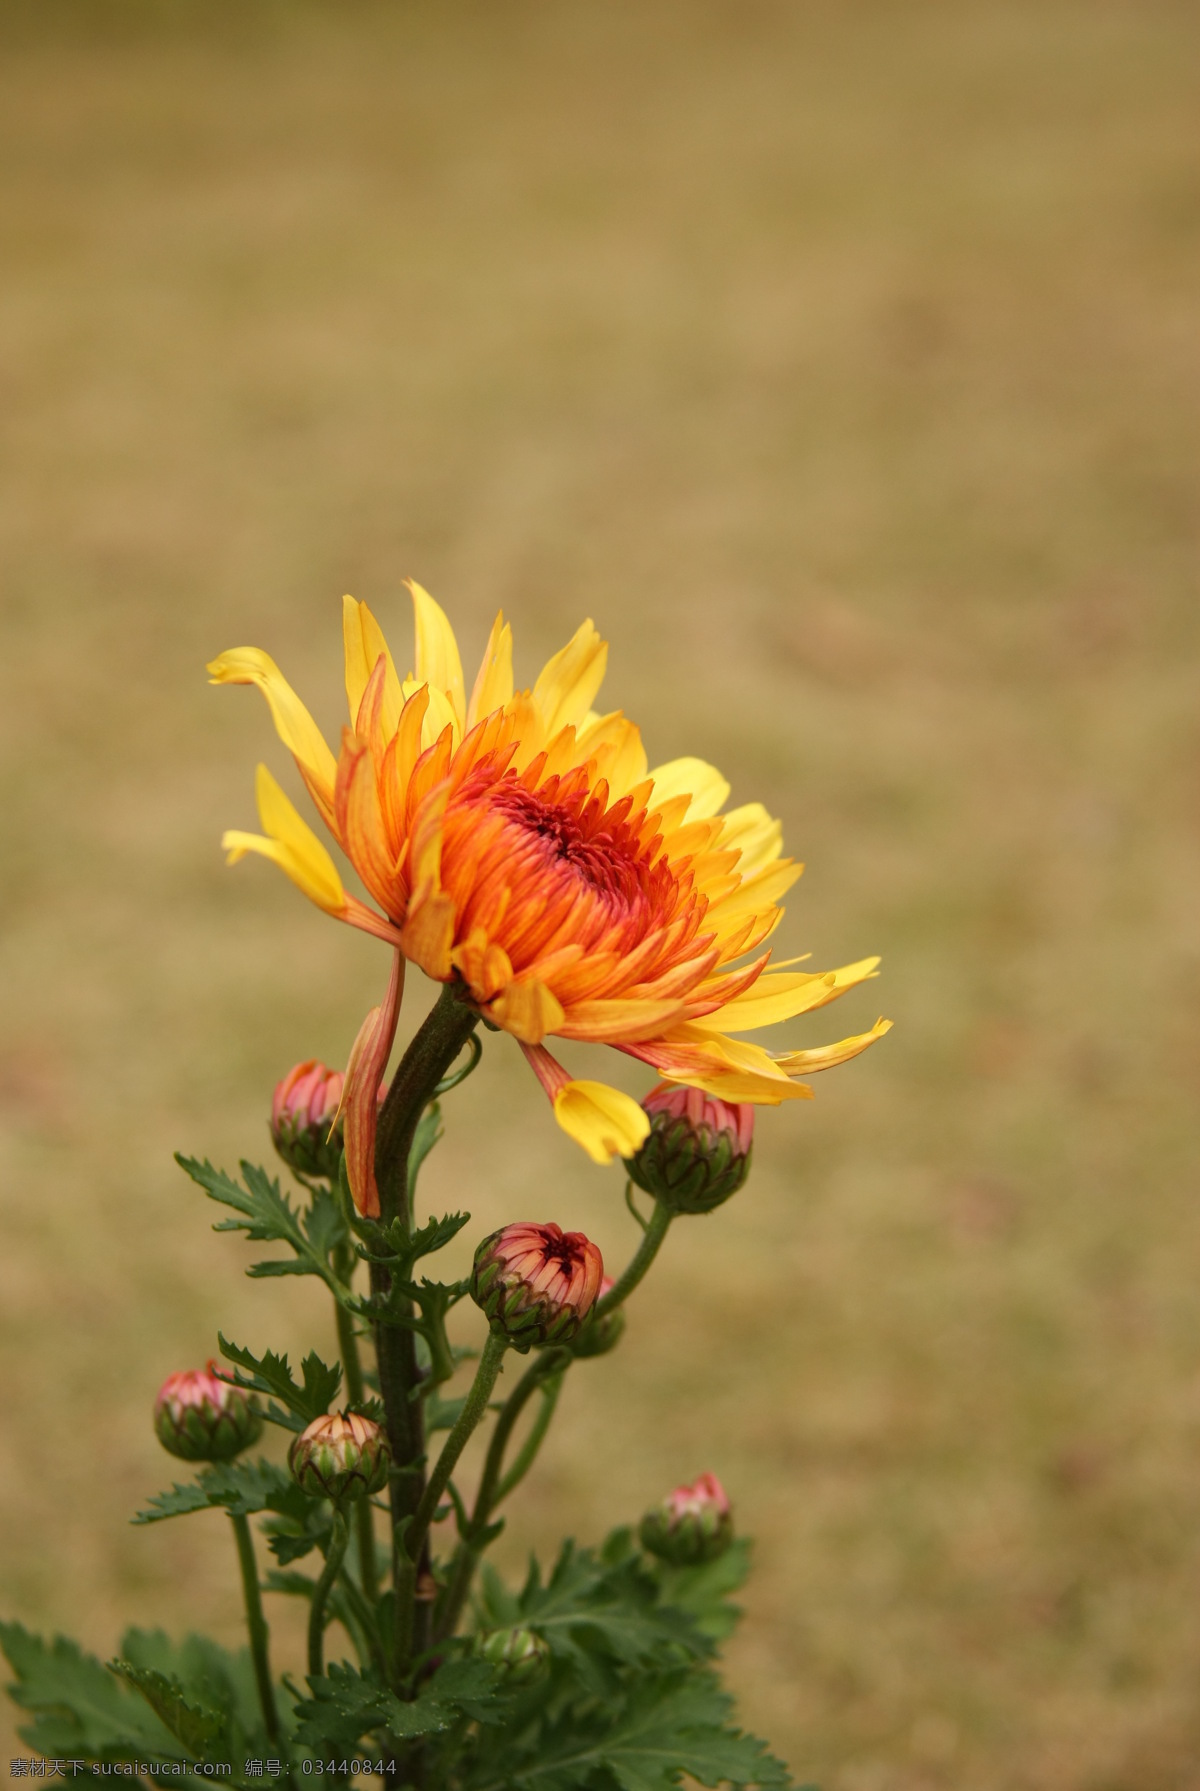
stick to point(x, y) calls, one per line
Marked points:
point(291, 844)
point(604, 1121)
point(294, 725)
point(438, 663)
point(826, 1057)
point(360, 1093)
point(527, 1009)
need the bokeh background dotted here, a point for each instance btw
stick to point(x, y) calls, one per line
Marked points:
point(842, 360)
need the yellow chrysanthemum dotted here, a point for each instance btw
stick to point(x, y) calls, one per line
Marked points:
point(515, 840)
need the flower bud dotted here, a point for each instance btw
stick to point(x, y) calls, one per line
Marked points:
point(698, 1150)
point(303, 1108)
point(519, 1653)
point(599, 1334)
point(200, 1417)
point(536, 1283)
point(340, 1456)
point(691, 1526)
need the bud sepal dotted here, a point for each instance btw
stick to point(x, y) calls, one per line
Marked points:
point(340, 1456)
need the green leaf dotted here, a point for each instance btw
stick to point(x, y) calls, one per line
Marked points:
point(704, 1591)
point(608, 1610)
point(239, 1487)
point(267, 1215)
point(666, 1727)
point(435, 1234)
point(220, 1678)
point(346, 1705)
point(427, 1134)
point(192, 1724)
point(80, 1710)
point(272, 1374)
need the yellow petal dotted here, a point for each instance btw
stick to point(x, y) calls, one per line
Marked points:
point(437, 662)
point(567, 683)
point(294, 725)
point(825, 1057)
point(529, 1010)
point(494, 682)
point(604, 1121)
point(626, 1019)
point(703, 783)
point(291, 844)
point(783, 995)
point(439, 715)
point(363, 642)
point(616, 745)
point(755, 834)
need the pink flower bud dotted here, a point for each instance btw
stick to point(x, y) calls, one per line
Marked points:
point(201, 1417)
point(340, 1456)
point(600, 1334)
point(698, 1150)
point(536, 1283)
point(302, 1111)
point(691, 1526)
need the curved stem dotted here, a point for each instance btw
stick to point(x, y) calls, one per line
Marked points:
point(474, 1406)
point(364, 1527)
point(429, 1056)
point(316, 1616)
point(256, 1623)
point(538, 1376)
point(647, 1250)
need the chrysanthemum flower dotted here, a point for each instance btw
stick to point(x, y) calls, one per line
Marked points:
point(516, 841)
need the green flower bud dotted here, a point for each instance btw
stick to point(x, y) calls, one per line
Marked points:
point(200, 1417)
point(518, 1652)
point(693, 1525)
point(698, 1150)
point(340, 1456)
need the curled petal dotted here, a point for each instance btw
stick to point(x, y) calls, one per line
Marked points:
point(826, 1057)
point(294, 725)
point(291, 844)
point(360, 1095)
point(603, 1120)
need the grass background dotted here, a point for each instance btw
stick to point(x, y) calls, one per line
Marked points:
point(841, 360)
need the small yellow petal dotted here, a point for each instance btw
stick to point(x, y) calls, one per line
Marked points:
point(363, 643)
point(438, 663)
point(825, 1057)
point(294, 725)
point(605, 1122)
point(529, 1010)
point(567, 683)
point(703, 783)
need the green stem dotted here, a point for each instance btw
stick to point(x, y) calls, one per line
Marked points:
point(429, 1056)
point(256, 1623)
point(364, 1527)
point(474, 1407)
point(545, 1375)
point(647, 1250)
point(316, 1616)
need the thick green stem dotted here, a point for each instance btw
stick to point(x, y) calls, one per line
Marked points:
point(316, 1616)
point(256, 1624)
point(429, 1056)
point(364, 1526)
point(647, 1250)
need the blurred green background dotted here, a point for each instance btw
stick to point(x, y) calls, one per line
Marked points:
point(841, 359)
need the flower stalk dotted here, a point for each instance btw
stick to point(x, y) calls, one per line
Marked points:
point(338, 1542)
point(656, 1230)
point(256, 1624)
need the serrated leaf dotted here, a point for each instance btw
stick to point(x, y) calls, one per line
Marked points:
point(591, 1608)
point(435, 1234)
point(345, 1705)
point(194, 1725)
point(239, 1487)
point(221, 1678)
point(79, 1709)
point(704, 1591)
point(266, 1214)
point(272, 1373)
point(667, 1726)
